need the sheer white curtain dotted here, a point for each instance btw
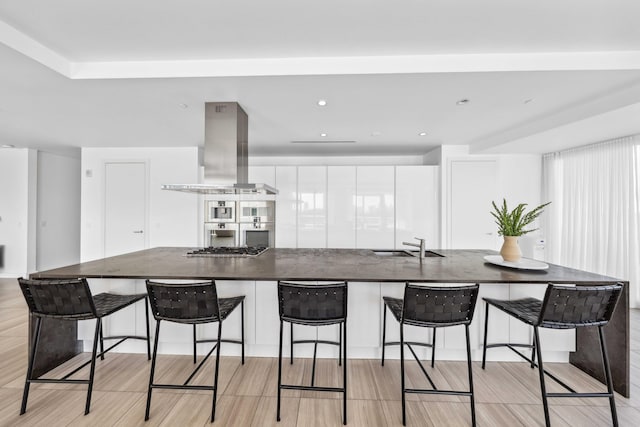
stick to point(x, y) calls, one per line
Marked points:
point(592, 222)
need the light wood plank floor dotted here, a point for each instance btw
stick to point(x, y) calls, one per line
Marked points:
point(506, 393)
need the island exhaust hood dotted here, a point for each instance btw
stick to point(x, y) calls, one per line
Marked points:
point(226, 171)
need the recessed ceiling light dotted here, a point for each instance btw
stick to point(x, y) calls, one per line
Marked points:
point(322, 102)
point(7, 146)
point(422, 134)
point(323, 134)
point(462, 102)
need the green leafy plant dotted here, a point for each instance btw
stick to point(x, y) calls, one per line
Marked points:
point(513, 223)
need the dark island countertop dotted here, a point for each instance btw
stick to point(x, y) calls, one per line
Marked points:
point(361, 265)
point(354, 265)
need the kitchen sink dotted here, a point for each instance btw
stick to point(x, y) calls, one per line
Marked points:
point(404, 253)
point(395, 253)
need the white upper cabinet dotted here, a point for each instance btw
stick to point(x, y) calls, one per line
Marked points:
point(341, 206)
point(417, 205)
point(286, 206)
point(375, 211)
point(262, 175)
point(312, 207)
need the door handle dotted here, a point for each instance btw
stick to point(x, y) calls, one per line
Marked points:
point(138, 232)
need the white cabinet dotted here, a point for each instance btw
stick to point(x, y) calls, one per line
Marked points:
point(312, 207)
point(364, 310)
point(286, 206)
point(262, 175)
point(417, 205)
point(472, 185)
point(375, 211)
point(341, 207)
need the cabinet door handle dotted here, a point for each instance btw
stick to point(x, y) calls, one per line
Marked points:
point(138, 232)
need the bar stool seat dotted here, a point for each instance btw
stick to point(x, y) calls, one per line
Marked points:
point(563, 307)
point(72, 300)
point(226, 306)
point(193, 304)
point(526, 310)
point(395, 306)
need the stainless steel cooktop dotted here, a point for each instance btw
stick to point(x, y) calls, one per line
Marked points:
point(228, 251)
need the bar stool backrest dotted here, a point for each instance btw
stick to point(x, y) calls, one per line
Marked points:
point(305, 304)
point(59, 298)
point(437, 306)
point(566, 307)
point(184, 303)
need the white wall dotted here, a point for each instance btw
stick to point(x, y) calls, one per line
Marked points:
point(173, 217)
point(58, 212)
point(18, 176)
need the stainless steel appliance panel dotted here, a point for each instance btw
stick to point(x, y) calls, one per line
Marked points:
point(257, 211)
point(220, 211)
point(221, 234)
point(257, 234)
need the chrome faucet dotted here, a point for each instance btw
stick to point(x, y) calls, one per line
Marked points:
point(417, 245)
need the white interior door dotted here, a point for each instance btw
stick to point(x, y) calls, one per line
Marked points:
point(125, 207)
point(473, 185)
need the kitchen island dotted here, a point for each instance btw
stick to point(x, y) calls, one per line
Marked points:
point(369, 276)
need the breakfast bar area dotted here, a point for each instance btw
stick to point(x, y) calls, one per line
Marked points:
point(370, 276)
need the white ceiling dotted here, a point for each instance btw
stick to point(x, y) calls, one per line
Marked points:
point(80, 73)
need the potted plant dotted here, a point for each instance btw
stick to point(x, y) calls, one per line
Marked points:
point(511, 225)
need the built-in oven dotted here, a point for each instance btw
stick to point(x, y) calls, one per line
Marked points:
point(220, 211)
point(257, 211)
point(257, 234)
point(218, 234)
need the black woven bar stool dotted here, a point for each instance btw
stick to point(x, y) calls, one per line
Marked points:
point(434, 307)
point(314, 305)
point(192, 303)
point(563, 307)
point(72, 300)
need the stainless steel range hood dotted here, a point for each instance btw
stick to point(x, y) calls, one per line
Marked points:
point(226, 168)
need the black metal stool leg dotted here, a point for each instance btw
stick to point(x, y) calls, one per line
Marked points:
point(153, 370)
point(469, 367)
point(291, 353)
point(344, 373)
point(543, 388)
point(32, 358)
point(279, 372)
point(404, 412)
point(194, 344)
point(215, 380)
point(146, 317)
point(339, 345)
point(486, 328)
point(101, 341)
point(607, 373)
point(433, 348)
point(384, 329)
point(533, 353)
point(96, 338)
point(242, 327)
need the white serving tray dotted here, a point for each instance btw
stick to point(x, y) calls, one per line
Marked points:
point(523, 264)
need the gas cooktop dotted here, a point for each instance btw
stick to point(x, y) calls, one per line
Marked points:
point(227, 251)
